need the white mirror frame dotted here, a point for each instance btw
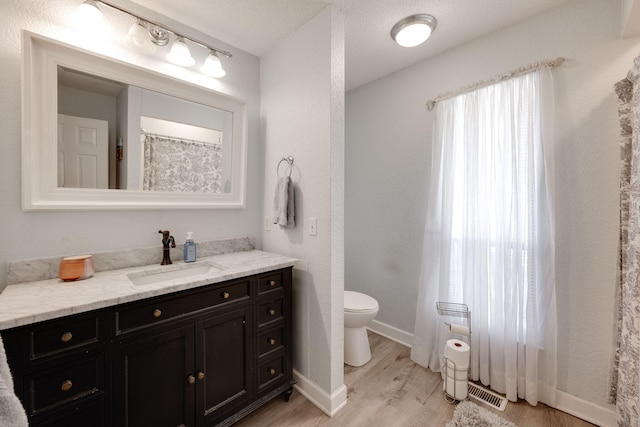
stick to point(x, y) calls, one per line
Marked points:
point(41, 58)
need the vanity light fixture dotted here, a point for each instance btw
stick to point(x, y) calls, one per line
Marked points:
point(88, 16)
point(180, 53)
point(140, 37)
point(145, 35)
point(413, 30)
point(213, 66)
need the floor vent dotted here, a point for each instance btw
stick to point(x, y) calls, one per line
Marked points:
point(488, 397)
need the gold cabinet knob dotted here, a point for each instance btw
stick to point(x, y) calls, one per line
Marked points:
point(191, 379)
point(272, 341)
point(157, 312)
point(272, 371)
point(200, 375)
point(226, 295)
point(66, 337)
point(66, 386)
point(271, 312)
point(272, 283)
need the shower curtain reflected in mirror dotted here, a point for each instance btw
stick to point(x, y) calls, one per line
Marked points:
point(178, 165)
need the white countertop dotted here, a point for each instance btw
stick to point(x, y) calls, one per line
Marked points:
point(30, 302)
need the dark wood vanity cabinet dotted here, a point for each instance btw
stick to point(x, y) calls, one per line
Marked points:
point(202, 357)
point(60, 370)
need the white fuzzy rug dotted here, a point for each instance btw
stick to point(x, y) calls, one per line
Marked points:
point(468, 414)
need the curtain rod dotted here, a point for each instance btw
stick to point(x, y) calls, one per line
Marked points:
point(179, 138)
point(499, 78)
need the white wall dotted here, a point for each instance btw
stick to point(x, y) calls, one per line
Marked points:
point(388, 143)
point(37, 234)
point(630, 16)
point(302, 86)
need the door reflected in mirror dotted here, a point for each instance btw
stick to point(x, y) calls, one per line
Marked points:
point(113, 135)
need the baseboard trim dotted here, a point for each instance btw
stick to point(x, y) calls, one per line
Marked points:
point(391, 332)
point(585, 410)
point(330, 404)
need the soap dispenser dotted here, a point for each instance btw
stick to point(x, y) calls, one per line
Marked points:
point(189, 248)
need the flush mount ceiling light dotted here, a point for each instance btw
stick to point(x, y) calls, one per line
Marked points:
point(413, 30)
point(146, 35)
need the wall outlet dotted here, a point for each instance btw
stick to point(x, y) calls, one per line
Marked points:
point(313, 226)
point(267, 223)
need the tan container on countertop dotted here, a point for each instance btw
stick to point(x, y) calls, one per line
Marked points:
point(76, 268)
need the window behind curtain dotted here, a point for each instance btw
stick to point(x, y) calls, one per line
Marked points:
point(489, 235)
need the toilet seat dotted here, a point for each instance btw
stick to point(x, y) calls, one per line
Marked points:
point(356, 302)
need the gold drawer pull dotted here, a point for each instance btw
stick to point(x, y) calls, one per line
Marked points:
point(191, 379)
point(66, 386)
point(66, 337)
point(157, 312)
point(272, 371)
point(272, 341)
point(201, 375)
point(272, 283)
point(226, 295)
point(271, 312)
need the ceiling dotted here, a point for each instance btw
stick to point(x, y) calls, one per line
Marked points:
point(256, 26)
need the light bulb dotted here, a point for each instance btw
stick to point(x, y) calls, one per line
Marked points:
point(213, 66)
point(88, 16)
point(139, 36)
point(180, 53)
point(413, 35)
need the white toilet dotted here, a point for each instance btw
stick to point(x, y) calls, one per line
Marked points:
point(359, 310)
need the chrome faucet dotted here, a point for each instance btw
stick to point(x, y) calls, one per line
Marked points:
point(167, 241)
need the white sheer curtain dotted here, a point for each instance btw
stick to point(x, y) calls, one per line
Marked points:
point(489, 236)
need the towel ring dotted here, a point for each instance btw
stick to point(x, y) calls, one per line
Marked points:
point(289, 160)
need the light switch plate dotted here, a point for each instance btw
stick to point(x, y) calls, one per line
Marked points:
point(313, 226)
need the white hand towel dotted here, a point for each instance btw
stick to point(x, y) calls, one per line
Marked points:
point(11, 411)
point(283, 203)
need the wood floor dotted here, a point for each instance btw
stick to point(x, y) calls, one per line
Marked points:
point(392, 391)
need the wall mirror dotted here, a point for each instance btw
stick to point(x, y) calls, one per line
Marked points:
point(103, 134)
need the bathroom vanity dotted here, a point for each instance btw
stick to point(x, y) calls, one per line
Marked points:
point(193, 345)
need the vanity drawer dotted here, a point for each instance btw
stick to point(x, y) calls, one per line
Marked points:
point(270, 341)
point(270, 283)
point(57, 337)
point(270, 311)
point(66, 383)
point(271, 371)
point(167, 308)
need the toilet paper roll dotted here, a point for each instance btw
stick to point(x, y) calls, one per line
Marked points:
point(459, 329)
point(455, 382)
point(456, 358)
point(457, 352)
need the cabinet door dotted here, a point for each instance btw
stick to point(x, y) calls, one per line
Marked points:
point(153, 380)
point(223, 352)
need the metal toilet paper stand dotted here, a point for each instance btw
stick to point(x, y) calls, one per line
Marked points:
point(448, 366)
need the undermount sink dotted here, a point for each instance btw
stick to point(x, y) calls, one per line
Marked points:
point(171, 273)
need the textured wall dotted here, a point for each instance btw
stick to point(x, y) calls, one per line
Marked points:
point(302, 108)
point(38, 234)
point(388, 140)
